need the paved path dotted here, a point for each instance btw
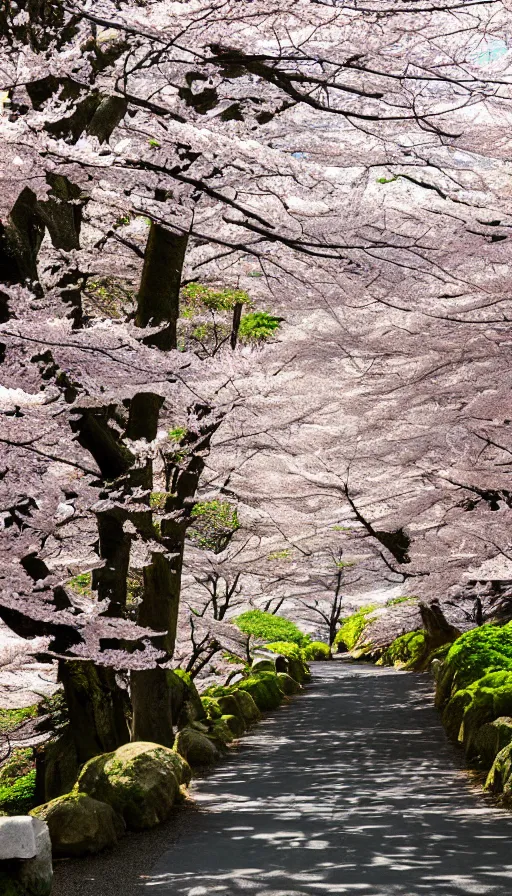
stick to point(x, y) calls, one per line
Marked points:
point(350, 789)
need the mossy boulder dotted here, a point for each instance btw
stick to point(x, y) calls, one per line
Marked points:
point(350, 635)
point(264, 690)
point(228, 705)
point(477, 705)
point(80, 825)
point(473, 655)
point(499, 779)
point(295, 664)
point(221, 732)
point(408, 651)
point(247, 707)
point(268, 664)
point(235, 724)
point(196, 747)
point(211, 708)
point(316, 651)
point(491, 738)
point(287, 684)
point(141, 781)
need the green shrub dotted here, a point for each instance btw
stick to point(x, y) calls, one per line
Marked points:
point(257, 326)
point(268, 627)
point(196, 294)
point(353, 627)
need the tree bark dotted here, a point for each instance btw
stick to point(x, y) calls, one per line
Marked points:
point(159, 294)
point(96, 706)
point(237, 317)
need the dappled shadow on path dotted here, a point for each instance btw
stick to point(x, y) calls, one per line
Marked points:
point(352, 788)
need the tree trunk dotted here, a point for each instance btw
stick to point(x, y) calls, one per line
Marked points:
point(96, 706)
point(151, 689)
point(159, 294)
point(237, 317)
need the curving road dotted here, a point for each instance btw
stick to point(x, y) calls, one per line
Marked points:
point(351, 788)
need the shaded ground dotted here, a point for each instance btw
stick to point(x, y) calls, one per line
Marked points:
point(351, 788)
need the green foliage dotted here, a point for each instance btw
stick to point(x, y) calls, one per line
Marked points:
point(341, 529)
point(395, 601)
point(268, 627)
point(82, 583)
point(195, 295)
point(280, 555)
point(214, 524)
point(387, 180)
point(17, 783)
point(285, 648)
point(343, 564)
point(154, 143)
point(10, 719)
point(316, 650)
point(258, 326)
point(108, 295)
point(352, 628)
point(157, 500)
point(407, 651)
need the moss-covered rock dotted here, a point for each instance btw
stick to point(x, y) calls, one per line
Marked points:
point(229, 706)
point(477, 705)
point(287, 684)
point(221, 732)
point(477, 652)
point(296, 665)
point(235, 724)
point(187, 706)
point(196, 747)
point(491, 738)
point(264, 689)
point(316, 651)
point(247, 707)
point(211, 708)
point(80, 825)
point(499, 779)
point(408, 651)
point(141, 781)
point(350, 635)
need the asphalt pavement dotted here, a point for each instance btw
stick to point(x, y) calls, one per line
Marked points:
point(350, 788)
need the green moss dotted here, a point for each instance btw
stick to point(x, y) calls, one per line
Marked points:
point(316, 650)
point(268, 627)
point(157, 500)
point(264, 690)
point(177, 434)
point(481, 650)
point(197, 295)
point(407, 651)
point(18, 783)
point(395, 601)
point(285, 554)
point(10, 719)
point(214, 522)
point(353, 627)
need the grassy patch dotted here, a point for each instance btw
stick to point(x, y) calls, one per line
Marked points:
point(257, 326)
point(10, 719)
point(353, 627)
point(18, 782)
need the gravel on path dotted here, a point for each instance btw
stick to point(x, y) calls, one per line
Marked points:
point(351, 788)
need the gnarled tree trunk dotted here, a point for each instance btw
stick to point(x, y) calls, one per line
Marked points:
point(159, 294)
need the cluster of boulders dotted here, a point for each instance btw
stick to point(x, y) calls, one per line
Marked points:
point(474, 694)
point(136, 786)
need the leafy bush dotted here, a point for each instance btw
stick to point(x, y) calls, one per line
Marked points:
point(269, 628)
point(258, 326)
point(353, 627)
point(196, 294)
point(18, 782)
point(214, 524)
point(285, 648)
